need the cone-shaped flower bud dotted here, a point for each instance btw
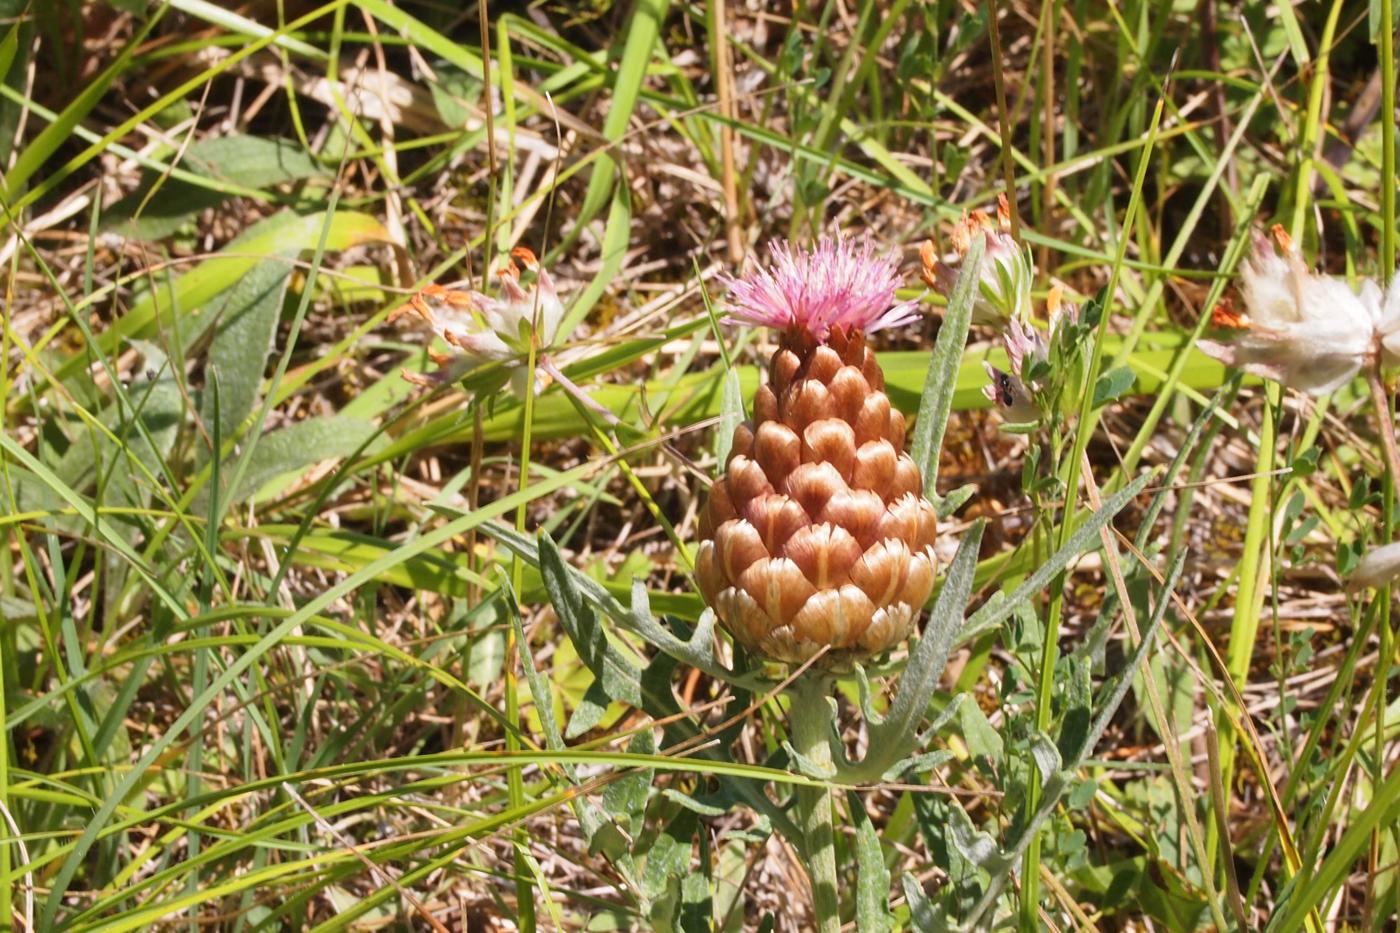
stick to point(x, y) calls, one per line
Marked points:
point(1304, 330)
point(817, 534)
point(483, 329)
point(1004, 286)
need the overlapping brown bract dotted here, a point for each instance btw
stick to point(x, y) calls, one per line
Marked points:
point(818, 532)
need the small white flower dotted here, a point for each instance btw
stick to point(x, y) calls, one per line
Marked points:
point(485, 329)
point(1004, 286)
point(1301, 329)
point(1377, 568)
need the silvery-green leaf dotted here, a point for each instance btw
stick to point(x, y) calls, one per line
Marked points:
point(982, 740)
point(872, 876)
point(591, 709)
point(924, 915)
point(940, 383)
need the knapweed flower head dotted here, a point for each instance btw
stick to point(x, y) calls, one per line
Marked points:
point(839, 283)
point(1304, 330)
point(1004, 286)
point(817, 536)
point(484, 329)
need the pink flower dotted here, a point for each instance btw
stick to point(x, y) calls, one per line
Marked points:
point(1022, 340)
point(838, 283)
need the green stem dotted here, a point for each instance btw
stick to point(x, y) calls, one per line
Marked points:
point(810, 716)
point(1084, 429)
point(1249, 594)
point(1385, 407)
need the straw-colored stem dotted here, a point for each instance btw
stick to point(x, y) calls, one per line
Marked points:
point(1385, 420)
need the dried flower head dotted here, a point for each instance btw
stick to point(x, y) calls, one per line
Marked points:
point(817, 537)
point(837, 284)
point(1004, 288)
point(484, 328)
point(1301, 329)
point(1377, 568)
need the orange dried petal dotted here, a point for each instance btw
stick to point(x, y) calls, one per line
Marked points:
point(876, 462)
point(824, 553)
point(739, 545)
point(858, 511)
point(812, 484)
point(928, 261)
point(830, 440)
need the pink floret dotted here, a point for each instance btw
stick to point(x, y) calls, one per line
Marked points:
point(837, 284)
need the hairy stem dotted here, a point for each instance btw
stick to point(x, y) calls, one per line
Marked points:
point(810, 715)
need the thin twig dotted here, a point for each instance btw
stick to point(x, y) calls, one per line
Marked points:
point(29, 874)
point(571, 387)
point(724, 91)
point(1386, 421)
point(1004, 121)
point(375, 870)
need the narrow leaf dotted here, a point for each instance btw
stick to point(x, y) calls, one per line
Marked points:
point(941, 381)
point(248, 317)
point(872, 876)
point(998, 610)
point(978, 733)
point(731, 415)
point(618, 676)
point(923, 914)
